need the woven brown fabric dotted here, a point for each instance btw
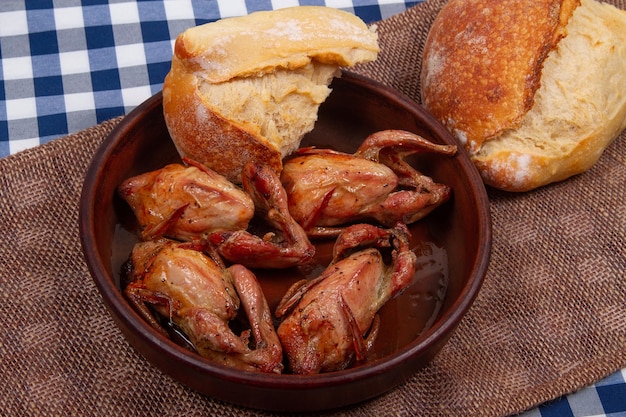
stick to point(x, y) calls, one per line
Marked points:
point(550, 318)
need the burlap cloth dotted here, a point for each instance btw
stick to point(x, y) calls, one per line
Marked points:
point(550, 319)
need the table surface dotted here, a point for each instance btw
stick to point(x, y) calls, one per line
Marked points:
point(67, 65)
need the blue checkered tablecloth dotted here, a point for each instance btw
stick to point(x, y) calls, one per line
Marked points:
point(66, 65)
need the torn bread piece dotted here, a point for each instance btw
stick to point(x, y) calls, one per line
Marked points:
point(249, 88)
point(534, 89)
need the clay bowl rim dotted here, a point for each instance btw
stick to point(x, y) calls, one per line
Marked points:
point(124, 315)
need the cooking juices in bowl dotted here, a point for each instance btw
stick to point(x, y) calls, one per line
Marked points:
point(402, 319)
point(452, 245)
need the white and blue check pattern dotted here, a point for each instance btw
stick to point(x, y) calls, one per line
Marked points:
point(66, 65)
point(606, 398)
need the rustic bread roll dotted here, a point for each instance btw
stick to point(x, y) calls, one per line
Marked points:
point(249, 88)
point(534, 89)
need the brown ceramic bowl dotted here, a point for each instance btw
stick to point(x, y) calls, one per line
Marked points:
point(455, 239)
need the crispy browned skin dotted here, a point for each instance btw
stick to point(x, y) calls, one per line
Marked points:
point(327, 189)
point(482, 62)
point(200, 295)
point(326, 318)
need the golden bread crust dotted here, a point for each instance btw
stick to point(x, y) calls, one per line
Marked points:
point(286, 38)
point(482, 62)
point(579, 109)
point(248, 88)
point(205, 136)
point(554, 118)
